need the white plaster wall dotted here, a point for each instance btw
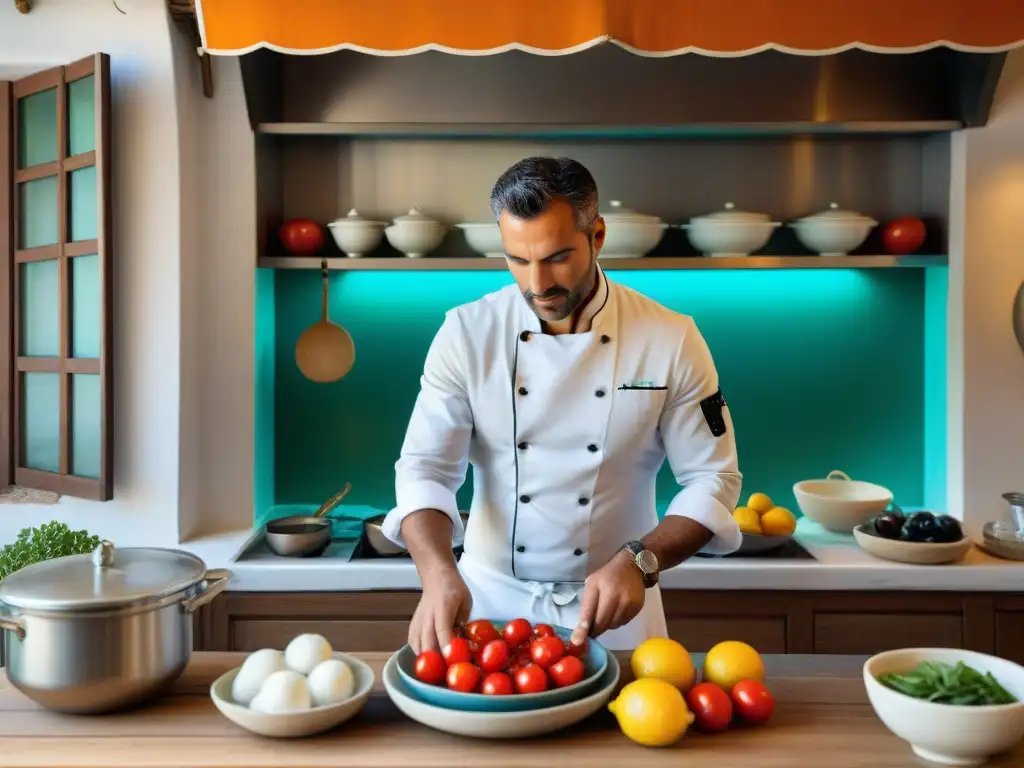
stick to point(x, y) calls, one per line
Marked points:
point(147, 371)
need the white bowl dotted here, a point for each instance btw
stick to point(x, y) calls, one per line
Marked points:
point(730, 232)
point(912, 552)
point(839, 503)
point(295, 724)
point(484, 238)
point(630, 235)
point(498, 725)
point(833, 232)
point(944, 733)
point(414, 234)
point(356, 236)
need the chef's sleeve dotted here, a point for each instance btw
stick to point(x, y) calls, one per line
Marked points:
point(700, 444)
point(435, 453)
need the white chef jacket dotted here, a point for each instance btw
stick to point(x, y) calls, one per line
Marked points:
point(566, 435)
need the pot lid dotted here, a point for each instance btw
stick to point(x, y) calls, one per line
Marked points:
point(414, 216)
point(835, 213)
point(354, 217)
point(730, 214)
point(103, 579)
point(620, 213)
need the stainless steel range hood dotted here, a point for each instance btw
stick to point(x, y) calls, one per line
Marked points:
point(607, 91)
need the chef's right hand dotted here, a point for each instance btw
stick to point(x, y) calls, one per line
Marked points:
point(444, 604)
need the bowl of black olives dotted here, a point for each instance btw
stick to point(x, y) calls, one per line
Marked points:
point(919, 538)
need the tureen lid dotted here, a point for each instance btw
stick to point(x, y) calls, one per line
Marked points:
point(354, 217)
point(729, 213)
point(414, 215)
point(835, 213)
point(620, 213)
point(103, 579)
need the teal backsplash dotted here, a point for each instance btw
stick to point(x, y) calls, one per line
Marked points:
point(822, 368)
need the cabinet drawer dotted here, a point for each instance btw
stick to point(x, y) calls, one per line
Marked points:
point(348, 636)
point(867, 633)
point(1010, 635)
point(698, 635)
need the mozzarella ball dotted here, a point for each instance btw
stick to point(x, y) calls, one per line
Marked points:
point(256, 668)
point(284, 691)
point(331, 681)
point(305, 652)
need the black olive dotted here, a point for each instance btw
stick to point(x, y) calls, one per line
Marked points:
point(947, 529)
point(919, 527)
point(889, 525)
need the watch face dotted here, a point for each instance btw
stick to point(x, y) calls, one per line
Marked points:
point(647, 561)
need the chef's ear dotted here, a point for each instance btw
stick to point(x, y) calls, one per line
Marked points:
point(597, 232)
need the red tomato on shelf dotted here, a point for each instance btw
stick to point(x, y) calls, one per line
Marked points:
point(566, 671)
point(301, 237)
point(497, 684)
point(545, 651)
point(494, 656)
point(711, 707)
point(517, 632)
point(457, 650)
point(752, 702)
point(531, 679)
point(481, 632)
point(904, 235)
point(430, 667)
point(463, 676)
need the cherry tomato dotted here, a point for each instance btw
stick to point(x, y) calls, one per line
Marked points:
point(430, 667)
point(531, 679)
point(481, 632)
point(752, 702)
point(545, 651)
point(457, 650)
point(520, 658)
point(494, 656)
point(904, 235)
point(301, 237)
point(463, 676)
point(544, 630)
point(572, 649)
point(497, 684)
point(517, 632)
point(566, 671)
point(711, 707)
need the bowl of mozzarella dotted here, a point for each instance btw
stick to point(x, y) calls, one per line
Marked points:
point(305, 689)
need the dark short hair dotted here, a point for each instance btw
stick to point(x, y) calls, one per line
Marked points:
point(527, 188)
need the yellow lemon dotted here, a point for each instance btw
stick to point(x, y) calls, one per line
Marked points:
point(664, 659)
point(760, 502)
point(747, 519)
point(651, 712)
point(729, 662)
point(778, 521)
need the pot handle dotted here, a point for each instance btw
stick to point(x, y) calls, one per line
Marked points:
point(838, 474)
point(214, 582)
point(11, 624)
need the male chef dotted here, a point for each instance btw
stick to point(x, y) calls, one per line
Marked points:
point(565, 392)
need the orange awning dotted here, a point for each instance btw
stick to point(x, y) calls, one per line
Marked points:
point(646, 27)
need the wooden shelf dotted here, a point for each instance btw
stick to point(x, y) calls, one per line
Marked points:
point(604, 131)
point(428, 264)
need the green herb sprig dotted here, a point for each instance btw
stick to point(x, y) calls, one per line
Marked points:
point(49, 540)
point(949, 684)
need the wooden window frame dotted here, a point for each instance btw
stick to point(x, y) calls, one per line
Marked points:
point(12, 363)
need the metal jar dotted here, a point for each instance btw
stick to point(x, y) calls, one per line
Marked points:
point(96, 633)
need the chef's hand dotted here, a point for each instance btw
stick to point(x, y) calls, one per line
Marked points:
point(445, 602)
point(612, 596)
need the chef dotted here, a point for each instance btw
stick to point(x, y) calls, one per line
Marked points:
point(566, 393)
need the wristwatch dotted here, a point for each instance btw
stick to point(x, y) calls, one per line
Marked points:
point(645, 560)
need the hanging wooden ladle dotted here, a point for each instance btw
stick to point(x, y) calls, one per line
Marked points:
point(325, 351)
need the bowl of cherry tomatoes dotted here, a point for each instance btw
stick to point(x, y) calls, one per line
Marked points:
point(504, 666)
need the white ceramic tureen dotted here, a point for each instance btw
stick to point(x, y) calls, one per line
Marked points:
point(355, 235)
point(834, 232)
point(730, 232)
point(630, 234)
point(484, 237)
point(414, 234)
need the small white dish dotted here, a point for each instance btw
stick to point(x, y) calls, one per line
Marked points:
point(498, 725)
point(833, 232)
point(730, 233)
point(948, 734)
point(628, 234)
point(356, 236)
point(838, 503)
point(414, 234)
point(912, 552)
point(484, 238)
point(295, 724)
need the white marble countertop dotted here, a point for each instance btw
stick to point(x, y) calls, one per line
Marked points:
point(838, 564)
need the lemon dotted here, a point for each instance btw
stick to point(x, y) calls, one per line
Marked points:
point(731, 661)
point(651, 712)
point(664, 659)
point(760, 502)
point(747, 519)
point(778, 521)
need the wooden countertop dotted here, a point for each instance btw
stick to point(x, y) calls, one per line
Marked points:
point(822, 718)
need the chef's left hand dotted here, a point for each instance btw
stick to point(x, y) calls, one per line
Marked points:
point(612, 596)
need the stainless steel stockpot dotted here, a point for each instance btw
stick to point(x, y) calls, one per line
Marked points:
point(97, 633)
